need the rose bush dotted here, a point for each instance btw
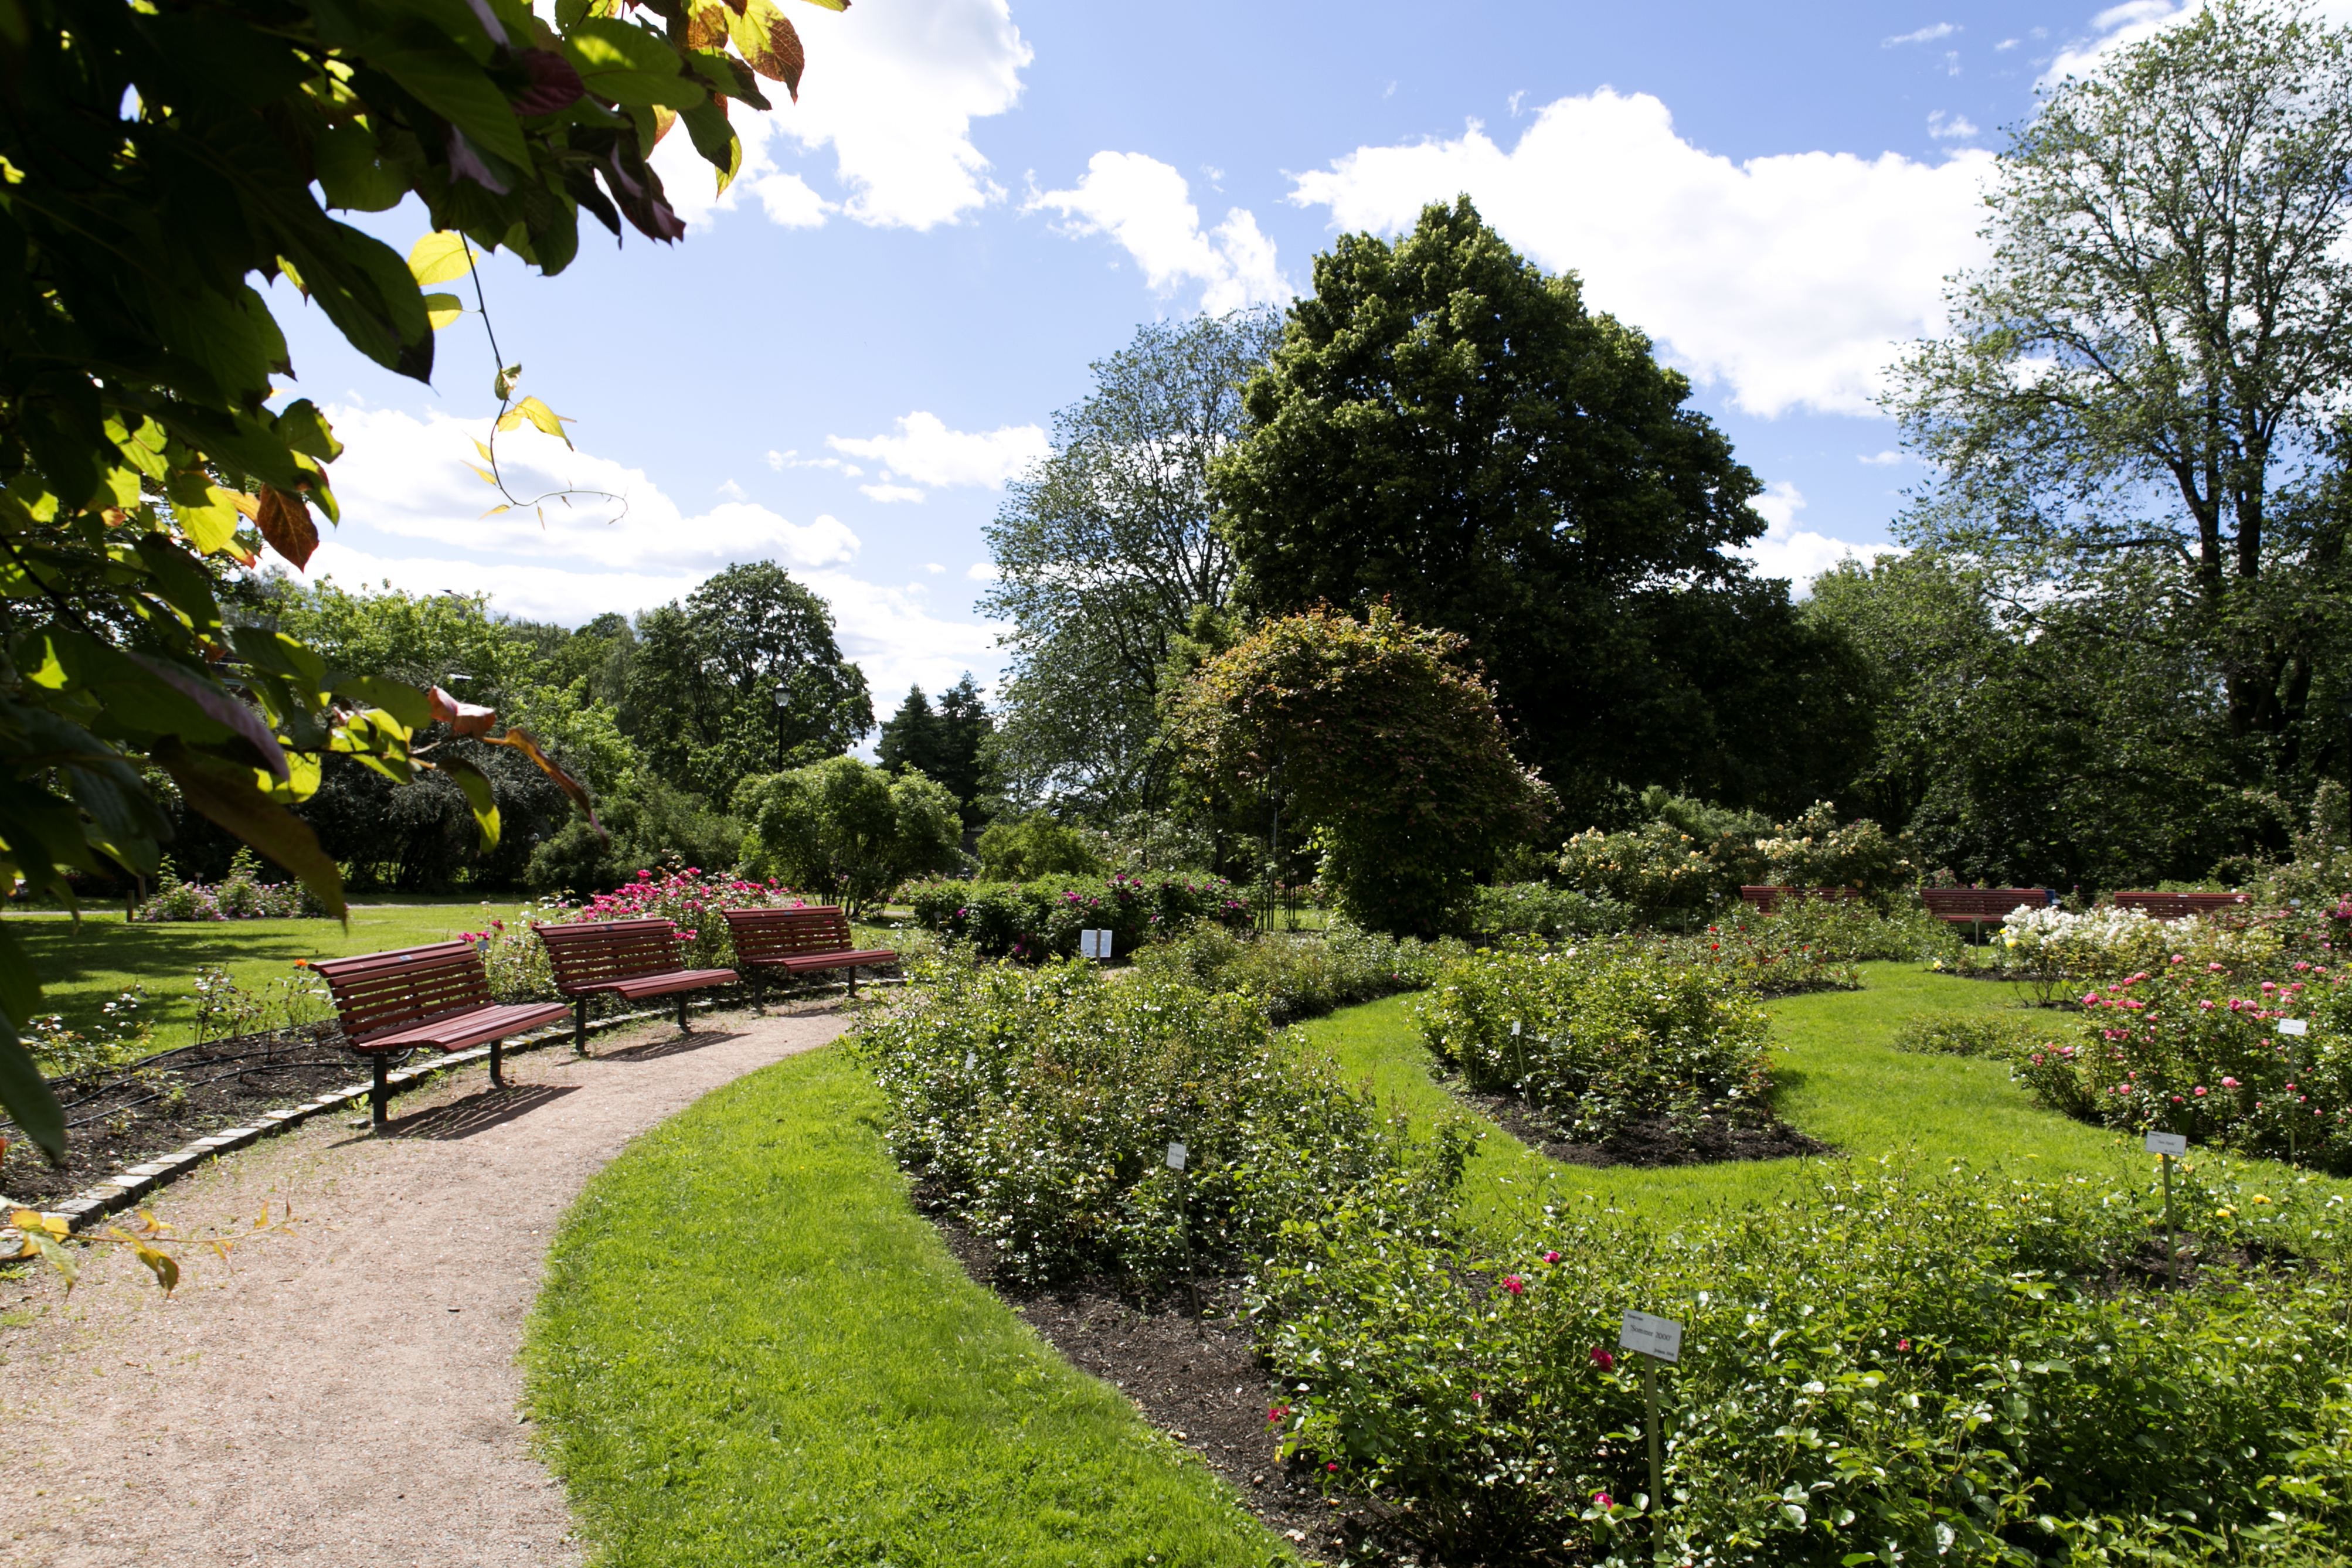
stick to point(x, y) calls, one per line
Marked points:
point(1033, 920)
point(689, 897)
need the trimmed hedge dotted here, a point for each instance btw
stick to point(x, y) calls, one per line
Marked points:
point(1036, 920)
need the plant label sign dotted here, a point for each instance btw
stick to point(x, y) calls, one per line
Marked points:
point(2294, 1026)
point(1514, 1029)
point(1661, 1339)
point(1176, 1156)
point(2173, 1143)
point(1094, 943)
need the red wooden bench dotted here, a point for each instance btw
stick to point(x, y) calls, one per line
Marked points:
point(630, 959)
point(437, 996)
point(1765, 900)
point(2174, 906)
point(800, 941)
point(1975, 905)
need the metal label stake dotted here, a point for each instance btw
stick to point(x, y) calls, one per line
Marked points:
point(1654, 1339)
point(2169, 1146)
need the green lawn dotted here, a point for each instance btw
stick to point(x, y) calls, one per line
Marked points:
point(750, 1350)
point(86, 964)
point(1840, 1079)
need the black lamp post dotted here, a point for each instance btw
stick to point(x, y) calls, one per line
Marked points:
point(782, 695)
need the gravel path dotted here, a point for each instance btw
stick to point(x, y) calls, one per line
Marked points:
point(343, 1394)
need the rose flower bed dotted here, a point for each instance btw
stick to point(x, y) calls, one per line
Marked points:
point(1036, 920)
point(689, 897)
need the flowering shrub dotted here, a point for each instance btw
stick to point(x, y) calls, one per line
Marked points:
point(2195, 1048)
point(1293, 978)
point(1604, 1034)
point(1042, 1103)
point(1889, 1367)
point(1036, 920)
point(242, 895)
point(1539, 909)
point(1845, 932)
point(689, 897)
point(1689, 861)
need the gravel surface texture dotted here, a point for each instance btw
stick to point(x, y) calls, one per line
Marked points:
point(344, 1392)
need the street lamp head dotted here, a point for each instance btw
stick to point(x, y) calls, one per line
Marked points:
point(783, 693)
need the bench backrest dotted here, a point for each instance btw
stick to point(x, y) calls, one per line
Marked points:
point(2171, 905)
point(763, 934)
point(381, 993)
point(1988, 902)
point(596, 952)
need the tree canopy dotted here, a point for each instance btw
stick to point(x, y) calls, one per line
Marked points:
point(2140, 397)
point(1446, 428)
point(1105, 553)
point(947, 744)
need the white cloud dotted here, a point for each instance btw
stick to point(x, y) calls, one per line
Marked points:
point(1798, 554)
point(886, 494)
point(1887, 459)
point(406, 477)
point(1927, 35)
point(2004, 45)
point(732, 491)
point(982, 571)
point(925, 451)
point(934, 568)
point(412, 514)
point(780, 461)
point(893, 89)
point(1147, 207)
point(1792, 277)
point(1949, 126)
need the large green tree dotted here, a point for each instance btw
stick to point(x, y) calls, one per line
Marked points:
point(2139, 395)
point(158, 155)
point(947, 744)
point(842, 830)
point(702, 701)
point(1449, 430)
point(1105, 553)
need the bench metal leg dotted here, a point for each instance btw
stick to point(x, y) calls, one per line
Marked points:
point(852, 979)
point(495, 1080)
point(683, 1027)
point(579, 1025)
point(759, 984)
point(380, 1093)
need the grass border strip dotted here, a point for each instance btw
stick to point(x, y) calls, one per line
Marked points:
point(119, 1191)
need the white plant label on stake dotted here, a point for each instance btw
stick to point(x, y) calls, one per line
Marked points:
point(1515, 1027)
point(1175, 1156)
point(969, 1061)
point(1094, 943)
point(2173, 1143)
point(2293, 1026)
point(1661, 1339)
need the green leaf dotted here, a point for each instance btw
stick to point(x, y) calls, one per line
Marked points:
point(402, 701)
point(628, 64)
point(716, 141)
point(185, 586)
point(305, 429)
point(479, 794)
point(350, 174)
point(440, 256)
point(442, 308)
point(210, 526)
point(454, 87)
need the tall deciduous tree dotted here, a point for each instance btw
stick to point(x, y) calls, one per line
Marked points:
point(2145, 381)
point(1447, 428)
point(159, 156)
point(702, 683)
point(1105, 552)
point(1375, 737)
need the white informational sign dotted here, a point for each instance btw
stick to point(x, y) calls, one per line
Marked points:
point(1661, 1339)
point(2294, 1026)
point(1515, 1027)
point(1094, 943)
point(969, 1061)
point(2173, 1143)
point(1175, 1156)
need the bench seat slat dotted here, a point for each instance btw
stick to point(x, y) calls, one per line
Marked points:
point(865, 958)
point(658, 985)
point(459, 1030)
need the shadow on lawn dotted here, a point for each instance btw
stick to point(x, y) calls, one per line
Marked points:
point(67, 953)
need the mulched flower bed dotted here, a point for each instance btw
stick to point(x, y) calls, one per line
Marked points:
point(1198, 1380)
point(121, 1117)
point(1724, 1133)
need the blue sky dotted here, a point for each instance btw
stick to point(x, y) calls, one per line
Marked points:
point(849, 354)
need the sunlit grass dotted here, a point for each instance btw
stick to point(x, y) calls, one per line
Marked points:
point(1840, 1080)
point(750, 1350)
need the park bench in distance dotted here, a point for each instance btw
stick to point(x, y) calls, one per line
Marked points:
point(437, 996)
point(2174, 906)
point(1974, 905)
point(1765, 900)
point(799, 941)
point(630, 959)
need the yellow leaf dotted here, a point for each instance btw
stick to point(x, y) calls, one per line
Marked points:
point(166, 1268)
point(539, 415)
point(494, 511)
point(440, 256)
point(442, 308)
point(293, 277)
point(488, 478)
point(212, 526)
point(484, 448)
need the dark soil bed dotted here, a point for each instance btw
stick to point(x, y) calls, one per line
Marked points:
point(1724, 1133)
point(118, 1118)
point(1198, 1380)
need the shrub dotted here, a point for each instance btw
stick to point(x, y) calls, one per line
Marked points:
point(1602, 1035)
point(241, 896)
point(1690, 860)
point(1850, 931)
point(1035, 920)
point(1042, 1102)
point(2195, 1049)
point(1974, 1034)
point(1292, 976)
point(2052, 948)
point(121, 1035)
point(847, 830)
point(1761, 955)
point(1891, 1367)
point(1034, 847)
point(1539, 909)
